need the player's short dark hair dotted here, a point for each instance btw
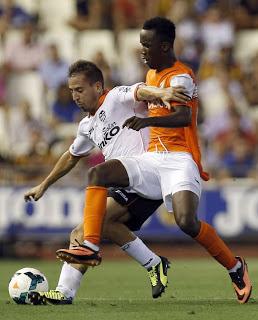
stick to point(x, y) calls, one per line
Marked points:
point(163, 27)
point(89, 69)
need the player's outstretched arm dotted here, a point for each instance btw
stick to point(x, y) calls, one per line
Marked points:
point(65, 164)
point(150, 93)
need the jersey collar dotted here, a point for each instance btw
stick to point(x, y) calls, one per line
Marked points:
point(102, 97)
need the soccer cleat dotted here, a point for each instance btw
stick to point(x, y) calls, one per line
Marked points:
point(241, 282)
point(80, 254)
point(48, 297)
point(158, 277)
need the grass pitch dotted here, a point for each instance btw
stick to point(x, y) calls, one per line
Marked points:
point(198, 289)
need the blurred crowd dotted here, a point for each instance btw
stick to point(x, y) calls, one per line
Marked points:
point(40, 38)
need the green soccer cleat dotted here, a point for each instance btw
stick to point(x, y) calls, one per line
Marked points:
point(53, 297)
point(158, 277)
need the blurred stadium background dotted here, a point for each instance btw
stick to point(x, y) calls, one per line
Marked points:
point(38, 119)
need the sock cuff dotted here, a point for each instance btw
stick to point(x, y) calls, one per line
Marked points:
point(203, 230)
point(97, 188)
point(127, 245)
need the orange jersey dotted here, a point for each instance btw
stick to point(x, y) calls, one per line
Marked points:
point(183, 139)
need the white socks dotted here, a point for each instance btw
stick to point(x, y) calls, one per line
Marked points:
point(69, 280)
point(141, 253)
point(91, 245)
point(237, 266)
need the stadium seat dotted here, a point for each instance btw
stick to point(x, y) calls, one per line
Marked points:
point(128, 42)
point(246, 45)
point(29, 5)
point(65, 40)
point(27, 86)
point(92, 41)
point(56, 13)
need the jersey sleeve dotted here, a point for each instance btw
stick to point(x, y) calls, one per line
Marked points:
point(186, 81)
point(127, 94)
point(81, 145)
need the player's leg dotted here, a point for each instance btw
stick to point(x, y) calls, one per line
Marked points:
point(107, 174)
point(135, 210)
point(181, 186)
point(119, 230)
point(69, 279)
point(185, 204)
point(127, 212)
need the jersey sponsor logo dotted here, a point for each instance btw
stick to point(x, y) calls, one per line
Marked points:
point(108, 135)
point(102, 116)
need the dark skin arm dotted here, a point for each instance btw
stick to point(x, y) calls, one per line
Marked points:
point(181, 117)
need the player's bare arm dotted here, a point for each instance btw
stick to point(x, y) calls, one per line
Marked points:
point(181, 117)
point(166, 95)
point(65, 164)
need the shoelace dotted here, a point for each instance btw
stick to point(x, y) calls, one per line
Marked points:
point(153, 276)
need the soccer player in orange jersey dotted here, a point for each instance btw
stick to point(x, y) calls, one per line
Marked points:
point(172, 164)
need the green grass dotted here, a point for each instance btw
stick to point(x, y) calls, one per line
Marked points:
point(198, 289)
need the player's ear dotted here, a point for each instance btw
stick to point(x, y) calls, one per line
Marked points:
point(165, 46)
point(98, 87)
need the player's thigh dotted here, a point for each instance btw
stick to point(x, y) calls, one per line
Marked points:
point(185, 204)
point(109, 173)
point(178, 172)
point(143, 175)
point(138, 209)
point(115, 211)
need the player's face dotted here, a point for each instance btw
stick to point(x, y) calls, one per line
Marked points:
point(151, 48)
point(85, 94)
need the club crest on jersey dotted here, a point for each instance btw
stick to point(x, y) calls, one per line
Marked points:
point(102, 116)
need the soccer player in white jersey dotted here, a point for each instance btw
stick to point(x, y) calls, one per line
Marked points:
point(126, 211)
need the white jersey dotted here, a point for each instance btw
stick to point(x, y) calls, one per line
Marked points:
point(104, 129)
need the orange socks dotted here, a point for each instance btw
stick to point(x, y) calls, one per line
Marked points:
point(210, 240)
point(94, 212)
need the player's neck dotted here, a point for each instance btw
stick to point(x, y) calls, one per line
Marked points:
point(166, 62)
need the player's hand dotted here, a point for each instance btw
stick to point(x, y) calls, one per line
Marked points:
point(35, 193)
point(136, 123)
point(177, 94)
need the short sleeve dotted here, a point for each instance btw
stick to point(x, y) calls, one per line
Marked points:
point(126, 94)
point(186, 81)
point(81, 145)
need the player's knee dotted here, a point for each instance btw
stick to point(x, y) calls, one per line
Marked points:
point(96, 176)
point(188, 224)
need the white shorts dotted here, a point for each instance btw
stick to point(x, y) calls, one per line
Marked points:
point(159, 175)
